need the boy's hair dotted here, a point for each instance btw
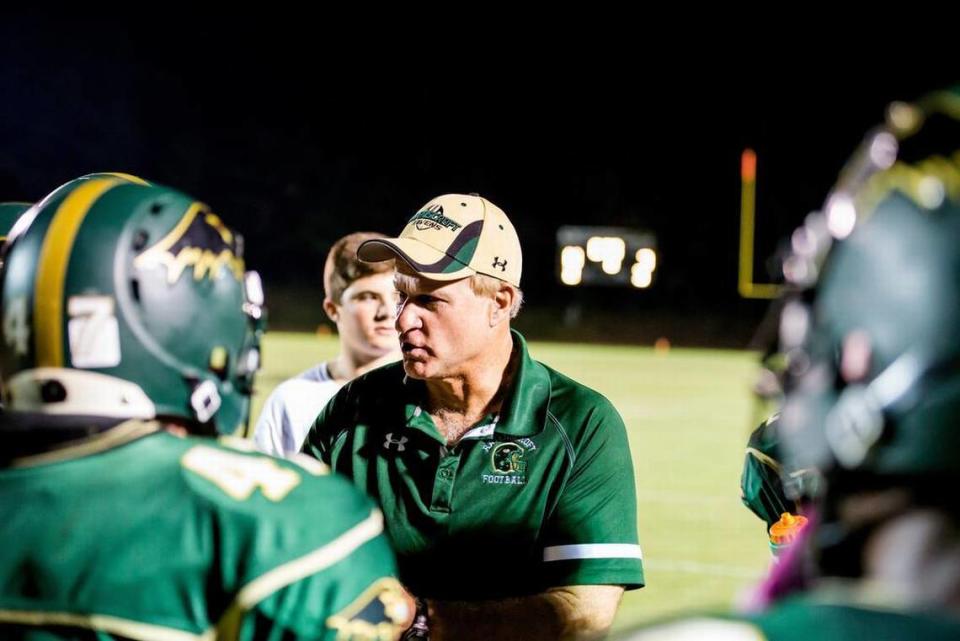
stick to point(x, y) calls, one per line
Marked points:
point(343, 267)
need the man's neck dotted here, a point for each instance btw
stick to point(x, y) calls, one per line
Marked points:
point(459, 402)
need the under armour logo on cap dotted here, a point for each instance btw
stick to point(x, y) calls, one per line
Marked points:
point(400, 443)
point(502, 264)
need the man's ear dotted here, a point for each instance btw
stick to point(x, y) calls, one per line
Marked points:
point(502, 304)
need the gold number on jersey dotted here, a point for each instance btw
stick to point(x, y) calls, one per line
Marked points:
point(238, 475)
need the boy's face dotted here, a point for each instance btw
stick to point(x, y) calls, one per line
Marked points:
point(365, 316)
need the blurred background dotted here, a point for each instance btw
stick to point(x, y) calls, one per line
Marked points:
point(619, 161)
point(298, 134)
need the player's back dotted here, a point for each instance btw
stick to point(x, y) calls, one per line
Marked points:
point(140, 535)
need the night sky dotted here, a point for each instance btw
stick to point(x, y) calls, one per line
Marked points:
point(297, 136)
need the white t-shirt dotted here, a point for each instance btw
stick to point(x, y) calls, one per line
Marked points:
point(290, 410)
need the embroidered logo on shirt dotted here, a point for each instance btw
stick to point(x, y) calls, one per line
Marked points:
point(400, 442)
point(507, 465)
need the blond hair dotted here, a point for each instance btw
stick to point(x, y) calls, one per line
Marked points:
point(480, 284)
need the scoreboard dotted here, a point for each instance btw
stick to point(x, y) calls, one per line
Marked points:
point(606, 256)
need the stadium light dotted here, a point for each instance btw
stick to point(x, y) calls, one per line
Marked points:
point(608, 251)
point(572, 260)
point(647, 258)
point(605, 256)
point(640, 277)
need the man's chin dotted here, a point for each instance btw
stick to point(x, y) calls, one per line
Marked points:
point(415, 369)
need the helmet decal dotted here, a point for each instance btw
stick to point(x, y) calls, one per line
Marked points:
point(201, 241)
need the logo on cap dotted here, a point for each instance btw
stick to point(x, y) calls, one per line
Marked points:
point(432, 218)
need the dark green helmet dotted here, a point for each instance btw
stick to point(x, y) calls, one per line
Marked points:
point(872, 330)
point(762, 478)
point(122, 299)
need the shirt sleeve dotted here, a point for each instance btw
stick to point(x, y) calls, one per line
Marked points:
point(591, 537)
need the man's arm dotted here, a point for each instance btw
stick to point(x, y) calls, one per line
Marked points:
point(577, 612)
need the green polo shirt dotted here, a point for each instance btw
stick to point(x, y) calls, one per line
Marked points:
point(541, 496)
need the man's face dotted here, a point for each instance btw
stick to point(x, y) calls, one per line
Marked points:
point(365, 316)
point(444, 326)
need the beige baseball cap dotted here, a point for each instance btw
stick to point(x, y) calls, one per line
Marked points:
point(452, 237)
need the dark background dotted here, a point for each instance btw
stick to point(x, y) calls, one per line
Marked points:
point(298, 133)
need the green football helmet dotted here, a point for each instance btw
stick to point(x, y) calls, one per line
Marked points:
point(122, 299)
point(871, 329)
point(762, 488)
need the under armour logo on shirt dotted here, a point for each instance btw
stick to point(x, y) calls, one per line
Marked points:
point(502, 264)
point(398, 442)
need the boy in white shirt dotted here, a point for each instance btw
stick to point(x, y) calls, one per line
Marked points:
point(361, 300)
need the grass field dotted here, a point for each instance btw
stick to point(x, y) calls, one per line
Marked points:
point(688, 415)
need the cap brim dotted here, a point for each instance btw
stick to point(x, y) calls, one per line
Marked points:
point(426, 261)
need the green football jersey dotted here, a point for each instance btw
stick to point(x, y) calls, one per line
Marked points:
point(141, 534)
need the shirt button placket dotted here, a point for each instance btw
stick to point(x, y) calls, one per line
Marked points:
point(444, 482)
